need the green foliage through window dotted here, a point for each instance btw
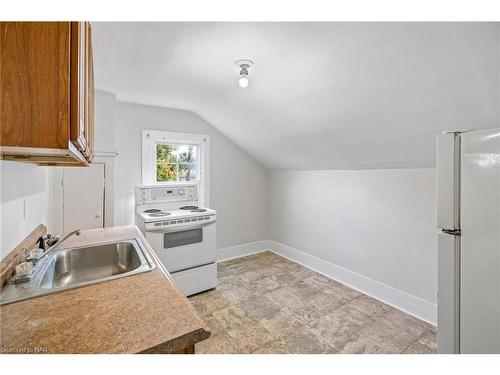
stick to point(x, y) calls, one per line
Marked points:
point(177, 162)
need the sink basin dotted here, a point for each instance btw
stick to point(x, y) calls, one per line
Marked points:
point(79, 266)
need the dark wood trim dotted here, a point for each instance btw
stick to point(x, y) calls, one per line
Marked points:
point(78, 78)
point(64, 84)
point(89, 116)
point(188, 350)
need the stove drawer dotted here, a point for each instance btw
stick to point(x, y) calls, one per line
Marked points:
point(184, 248)
point(196, 280)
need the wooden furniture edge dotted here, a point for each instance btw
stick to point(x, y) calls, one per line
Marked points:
point(188, 350)
point(18, 254)
point(184, 344)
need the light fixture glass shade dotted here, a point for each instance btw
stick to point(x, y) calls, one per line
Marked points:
point(243, 82)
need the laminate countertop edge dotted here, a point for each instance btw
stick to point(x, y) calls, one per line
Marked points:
point(142, 313)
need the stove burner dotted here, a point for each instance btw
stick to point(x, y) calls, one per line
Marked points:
point(198, 210)
point(159, 214)
point(152, 210)
point(188, 208)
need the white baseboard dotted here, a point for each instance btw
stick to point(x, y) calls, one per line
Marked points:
point(397, 298)
point(248, 248)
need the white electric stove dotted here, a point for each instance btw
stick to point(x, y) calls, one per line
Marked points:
point(181, 234)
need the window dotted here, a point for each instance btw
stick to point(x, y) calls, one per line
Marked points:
point(177, 162)
point(176, 158)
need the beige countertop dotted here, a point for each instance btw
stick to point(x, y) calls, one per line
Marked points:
point(140, 313)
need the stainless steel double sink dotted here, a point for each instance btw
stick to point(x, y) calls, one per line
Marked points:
point(79, 266)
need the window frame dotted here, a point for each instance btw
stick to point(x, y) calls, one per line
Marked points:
point(150, 138)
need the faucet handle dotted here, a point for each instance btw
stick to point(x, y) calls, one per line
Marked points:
point(52, 239)
point(41, 243)
point(47, 241)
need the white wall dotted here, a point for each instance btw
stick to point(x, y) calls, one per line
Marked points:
point(238, 184)
point(377, 223)
point(23, 185)
point(105, 121)
point(104, 146)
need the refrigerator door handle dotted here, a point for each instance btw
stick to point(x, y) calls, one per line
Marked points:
point(448, 293)
point(452, 232)
point(448, 181)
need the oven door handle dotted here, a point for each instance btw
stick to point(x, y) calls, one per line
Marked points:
point(174, 228)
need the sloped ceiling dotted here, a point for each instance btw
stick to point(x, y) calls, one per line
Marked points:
point(321, 95)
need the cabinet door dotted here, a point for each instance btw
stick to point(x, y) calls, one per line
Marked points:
point(90, 97)
point(78, 76)
point(45, 114)
point(34, 91)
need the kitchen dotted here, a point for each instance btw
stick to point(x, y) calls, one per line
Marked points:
point(263, 197)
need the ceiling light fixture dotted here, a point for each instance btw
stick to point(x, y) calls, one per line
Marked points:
point(244, 65)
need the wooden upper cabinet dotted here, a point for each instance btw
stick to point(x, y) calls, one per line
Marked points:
point(78, 85)
point(90, 96)
point(46, 92)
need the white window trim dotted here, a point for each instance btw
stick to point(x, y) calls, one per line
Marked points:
point(151, 137)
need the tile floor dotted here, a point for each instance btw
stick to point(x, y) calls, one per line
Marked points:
point(265, 303)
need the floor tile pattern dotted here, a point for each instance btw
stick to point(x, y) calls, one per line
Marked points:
point(265, 303)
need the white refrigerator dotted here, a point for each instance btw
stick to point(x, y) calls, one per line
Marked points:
point(468, 179)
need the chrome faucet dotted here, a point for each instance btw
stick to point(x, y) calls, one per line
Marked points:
point(34, 259)
point(58, 243)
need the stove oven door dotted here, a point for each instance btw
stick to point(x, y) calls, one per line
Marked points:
point(183, 248)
